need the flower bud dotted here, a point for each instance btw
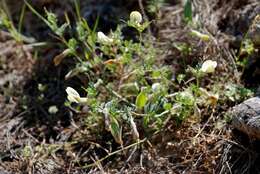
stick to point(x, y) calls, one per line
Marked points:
point(53, 109)
point(102, 38)
point(208, 66)
point(136, 17)
point(156, 87)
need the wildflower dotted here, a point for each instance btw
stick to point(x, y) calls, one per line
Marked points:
point(73, 96)
point(208, 66)
point(102, 38)
point(53, 109)
point(136, 17)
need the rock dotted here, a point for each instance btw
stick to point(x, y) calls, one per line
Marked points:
point(246, 117)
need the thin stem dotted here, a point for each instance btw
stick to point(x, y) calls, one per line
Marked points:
point(197, 81)
point(21, 18)
point(113, 153)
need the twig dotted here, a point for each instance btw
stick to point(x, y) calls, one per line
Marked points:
point(138, 114)
point(113, 153)
point(128, 159)
point(29, 135)
point(228, 167)
point(204, 126)
point(162, 114)
point(120, 97)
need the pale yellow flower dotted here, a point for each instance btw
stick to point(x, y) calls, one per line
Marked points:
point(103, 39)
point(136, 17)
point(73, 96)
point(208, 66)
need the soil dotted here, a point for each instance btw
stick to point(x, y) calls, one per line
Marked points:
point(27, 75)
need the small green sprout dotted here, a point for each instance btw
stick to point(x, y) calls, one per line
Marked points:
point(188, 11)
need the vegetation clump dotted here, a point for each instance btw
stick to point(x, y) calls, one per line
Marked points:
point(126, 96)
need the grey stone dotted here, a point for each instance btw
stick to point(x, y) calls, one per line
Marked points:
point(246, 117)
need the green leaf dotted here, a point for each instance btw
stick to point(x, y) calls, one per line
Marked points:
point(37, 14)
point(188, 10)
point(116, 131)
point(141, 100)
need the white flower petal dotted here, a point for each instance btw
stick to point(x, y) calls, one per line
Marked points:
point(72, 92)
point(72, 99)
point(73, 95)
